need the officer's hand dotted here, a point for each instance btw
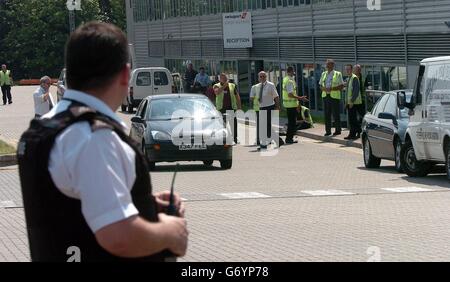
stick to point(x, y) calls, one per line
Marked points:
point(163, 198)
point(303, 98)
point(350, 105)
point(175, 230)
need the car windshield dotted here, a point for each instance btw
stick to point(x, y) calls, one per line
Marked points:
point(192, 108)
point(404, 112)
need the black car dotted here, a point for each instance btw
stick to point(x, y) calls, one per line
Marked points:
point(181, 127)
point(383, 131)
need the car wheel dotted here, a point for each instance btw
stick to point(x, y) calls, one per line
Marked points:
point(370, 161)
point(123, 108)
point(208, 163)
point(226, 164)
point(410, 164)
point(447, 163)
point(398, 150)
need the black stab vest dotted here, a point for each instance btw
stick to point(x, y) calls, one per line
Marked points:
point(54, 221)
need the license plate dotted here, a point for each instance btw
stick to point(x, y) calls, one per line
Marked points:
point(187, 147)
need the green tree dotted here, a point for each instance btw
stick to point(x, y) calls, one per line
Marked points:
point(33, 33)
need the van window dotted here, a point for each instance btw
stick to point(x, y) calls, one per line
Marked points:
point(160, 78)
point(418, 88)
point(437, 82)
point(143, 79)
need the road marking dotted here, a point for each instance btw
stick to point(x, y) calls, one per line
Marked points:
point(407, 189)
point(7, 204)
point(326, 192)
point(184, 199)
point(244, 195)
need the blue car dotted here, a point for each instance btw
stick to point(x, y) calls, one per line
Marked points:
point(383, 131)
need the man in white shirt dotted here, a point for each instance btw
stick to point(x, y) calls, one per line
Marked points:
point(96, 192)
point(265, 98)
point(42, 101)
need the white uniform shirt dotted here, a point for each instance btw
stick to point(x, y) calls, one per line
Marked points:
point(41, 106)
point(269, 94)
point(97, 168)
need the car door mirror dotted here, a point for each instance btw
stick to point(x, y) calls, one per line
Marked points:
point(401, 101)
point(388, 116)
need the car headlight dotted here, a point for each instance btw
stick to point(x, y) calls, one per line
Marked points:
point(160, 136)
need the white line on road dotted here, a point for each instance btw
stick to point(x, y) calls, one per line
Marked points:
point(244, 195)
point(407, 189)
point(327, 192)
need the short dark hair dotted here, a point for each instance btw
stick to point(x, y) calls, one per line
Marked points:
point(95, 53)
point(349, 65)
point(290, 69)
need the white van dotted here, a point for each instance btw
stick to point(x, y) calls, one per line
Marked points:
point(146, 82)
point(427, 139)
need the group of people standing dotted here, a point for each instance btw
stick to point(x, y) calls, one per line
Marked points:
point(265, 99)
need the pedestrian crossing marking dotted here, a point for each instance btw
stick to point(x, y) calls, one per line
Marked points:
point(407, 189)
point(326, 192)
point(7, 204)
point(244, 195)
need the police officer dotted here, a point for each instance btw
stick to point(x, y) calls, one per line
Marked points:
point(265, 99)
point(290, 102)
point(6, 82)
point(331, 83)
point(85, 183)
point(354, 102)
point(228, 100)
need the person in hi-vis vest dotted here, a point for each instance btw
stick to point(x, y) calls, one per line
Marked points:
point(6, 82)
point(227, 99)
point(290, 102)
point(353, 103)
point(331, 83)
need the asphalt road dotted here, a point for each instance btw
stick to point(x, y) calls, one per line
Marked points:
point(309, 201)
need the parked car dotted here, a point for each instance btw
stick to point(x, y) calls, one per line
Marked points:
point(145, 82)
point(61, 85)
point(428, 134)
point(157, 128)
point(383, 131)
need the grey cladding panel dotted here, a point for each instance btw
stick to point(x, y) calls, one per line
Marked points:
point(191, 48)
point(211, 26)
point(421, 46)
point(172, 48)
point(212, 48)
point(265, 48)
point(340, 48)
point(296, 48)
point(236, 53)
point(264, 23)
point(423, 16)
point(387, 20)
point(385, 48)
point(190, 27)
point(172, 29)
point(332, 20)
point(155, 48)
point(294, 22)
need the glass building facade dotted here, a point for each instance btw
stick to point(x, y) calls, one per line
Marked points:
point(388, 43)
